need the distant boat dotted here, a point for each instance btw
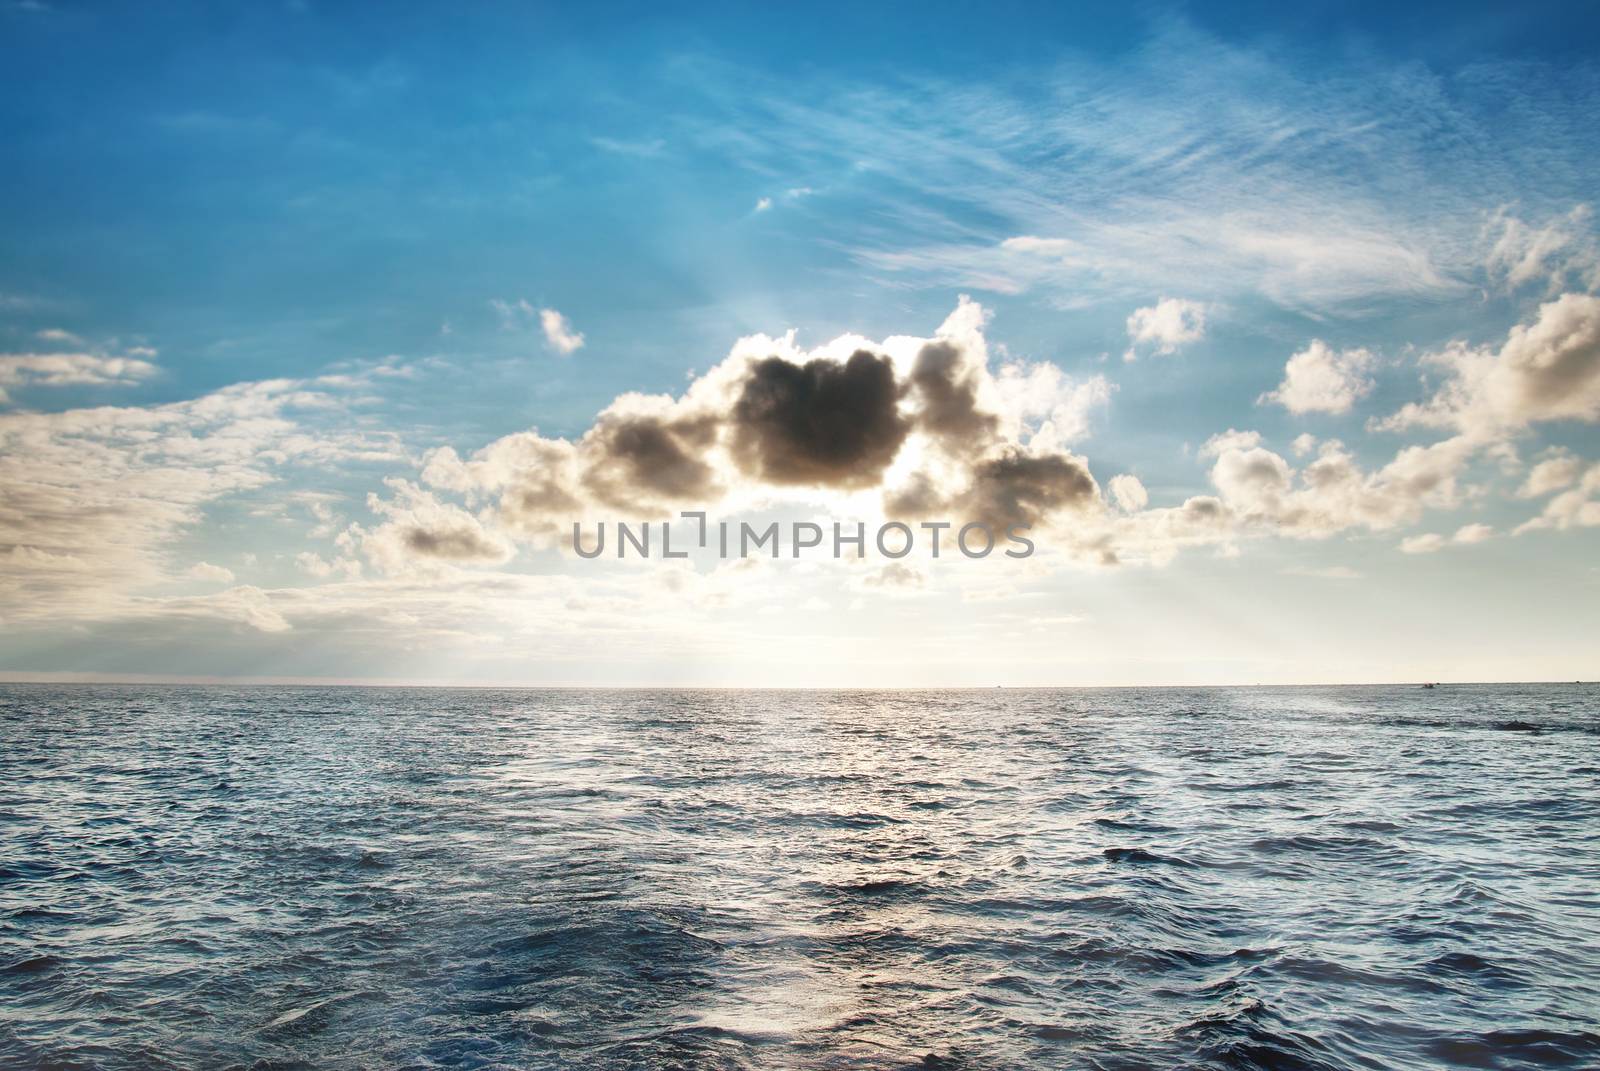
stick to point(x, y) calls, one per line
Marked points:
point(1430, 684)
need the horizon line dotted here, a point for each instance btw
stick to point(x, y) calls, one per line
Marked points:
point(314, 682)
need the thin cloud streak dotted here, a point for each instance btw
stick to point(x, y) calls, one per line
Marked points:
point(1252, 174)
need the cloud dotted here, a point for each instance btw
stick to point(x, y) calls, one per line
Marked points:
point(1165, 327)
point(313, 564)
point(521, 315)
point(246, 605)
point(1129, 493)
point(534, 480)
point(928, 428)
point(320, 505)
point(967, 407)
point(1041, 402)
point(641, 452)
point(1013, 487)
point(946, 380)
point(1232, 439)
point(790, 195)
point(1191, 162)
point(1320, 379)
point(1422, 544)
point(856, 429)
point(894, 577)
point(92, 500)
point(820, 423)
point(420, 531)
point(207, 571)
point(1562, 252)
point(1022, 488)
point(1552, 473)
point(70, 370)
point(1547, 370)
point(1430, 542)
point(1578, 507)
point(1260, 489)
point(558, 332)
point(514, 315)
point(924, 423)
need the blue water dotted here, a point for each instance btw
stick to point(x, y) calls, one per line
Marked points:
point(353, 878)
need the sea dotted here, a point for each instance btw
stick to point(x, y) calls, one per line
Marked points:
point(331, 878)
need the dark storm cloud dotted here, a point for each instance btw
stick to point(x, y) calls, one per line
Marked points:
point(648, 458)
point(1011, 488)
point(919, 498)
point(779, 420)
point(948, 391)
point(820, 423)
point(1018, 488)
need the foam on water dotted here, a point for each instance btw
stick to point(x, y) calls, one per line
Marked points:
point(351, 878)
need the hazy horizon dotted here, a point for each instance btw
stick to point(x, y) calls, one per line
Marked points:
point(267, 682)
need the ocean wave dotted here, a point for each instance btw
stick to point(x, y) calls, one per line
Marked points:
point(344, 879)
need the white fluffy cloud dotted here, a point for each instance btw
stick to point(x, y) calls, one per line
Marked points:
point(1048, 402)
point(1552, 473)
point(1547, 370)
point(1320, 379)
point(522, 315)
point(69, 370)
point(214, 573)
point(421, 532)
point(1129, 493)
point(558, 332)
point(1164, 327)
point(1428, 542)
point(1578, 507)
point(920, 427)
point(1259, 489)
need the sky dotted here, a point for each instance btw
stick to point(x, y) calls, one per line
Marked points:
point(322, 325)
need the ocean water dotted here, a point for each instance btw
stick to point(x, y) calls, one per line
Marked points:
point(329, 878)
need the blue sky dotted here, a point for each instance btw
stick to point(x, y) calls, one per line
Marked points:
point(363, 212)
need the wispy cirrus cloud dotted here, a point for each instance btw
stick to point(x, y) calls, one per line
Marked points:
point(91, 500)
point(1194, 164)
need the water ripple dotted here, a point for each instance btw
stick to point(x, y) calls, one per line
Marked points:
point(386, 878)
